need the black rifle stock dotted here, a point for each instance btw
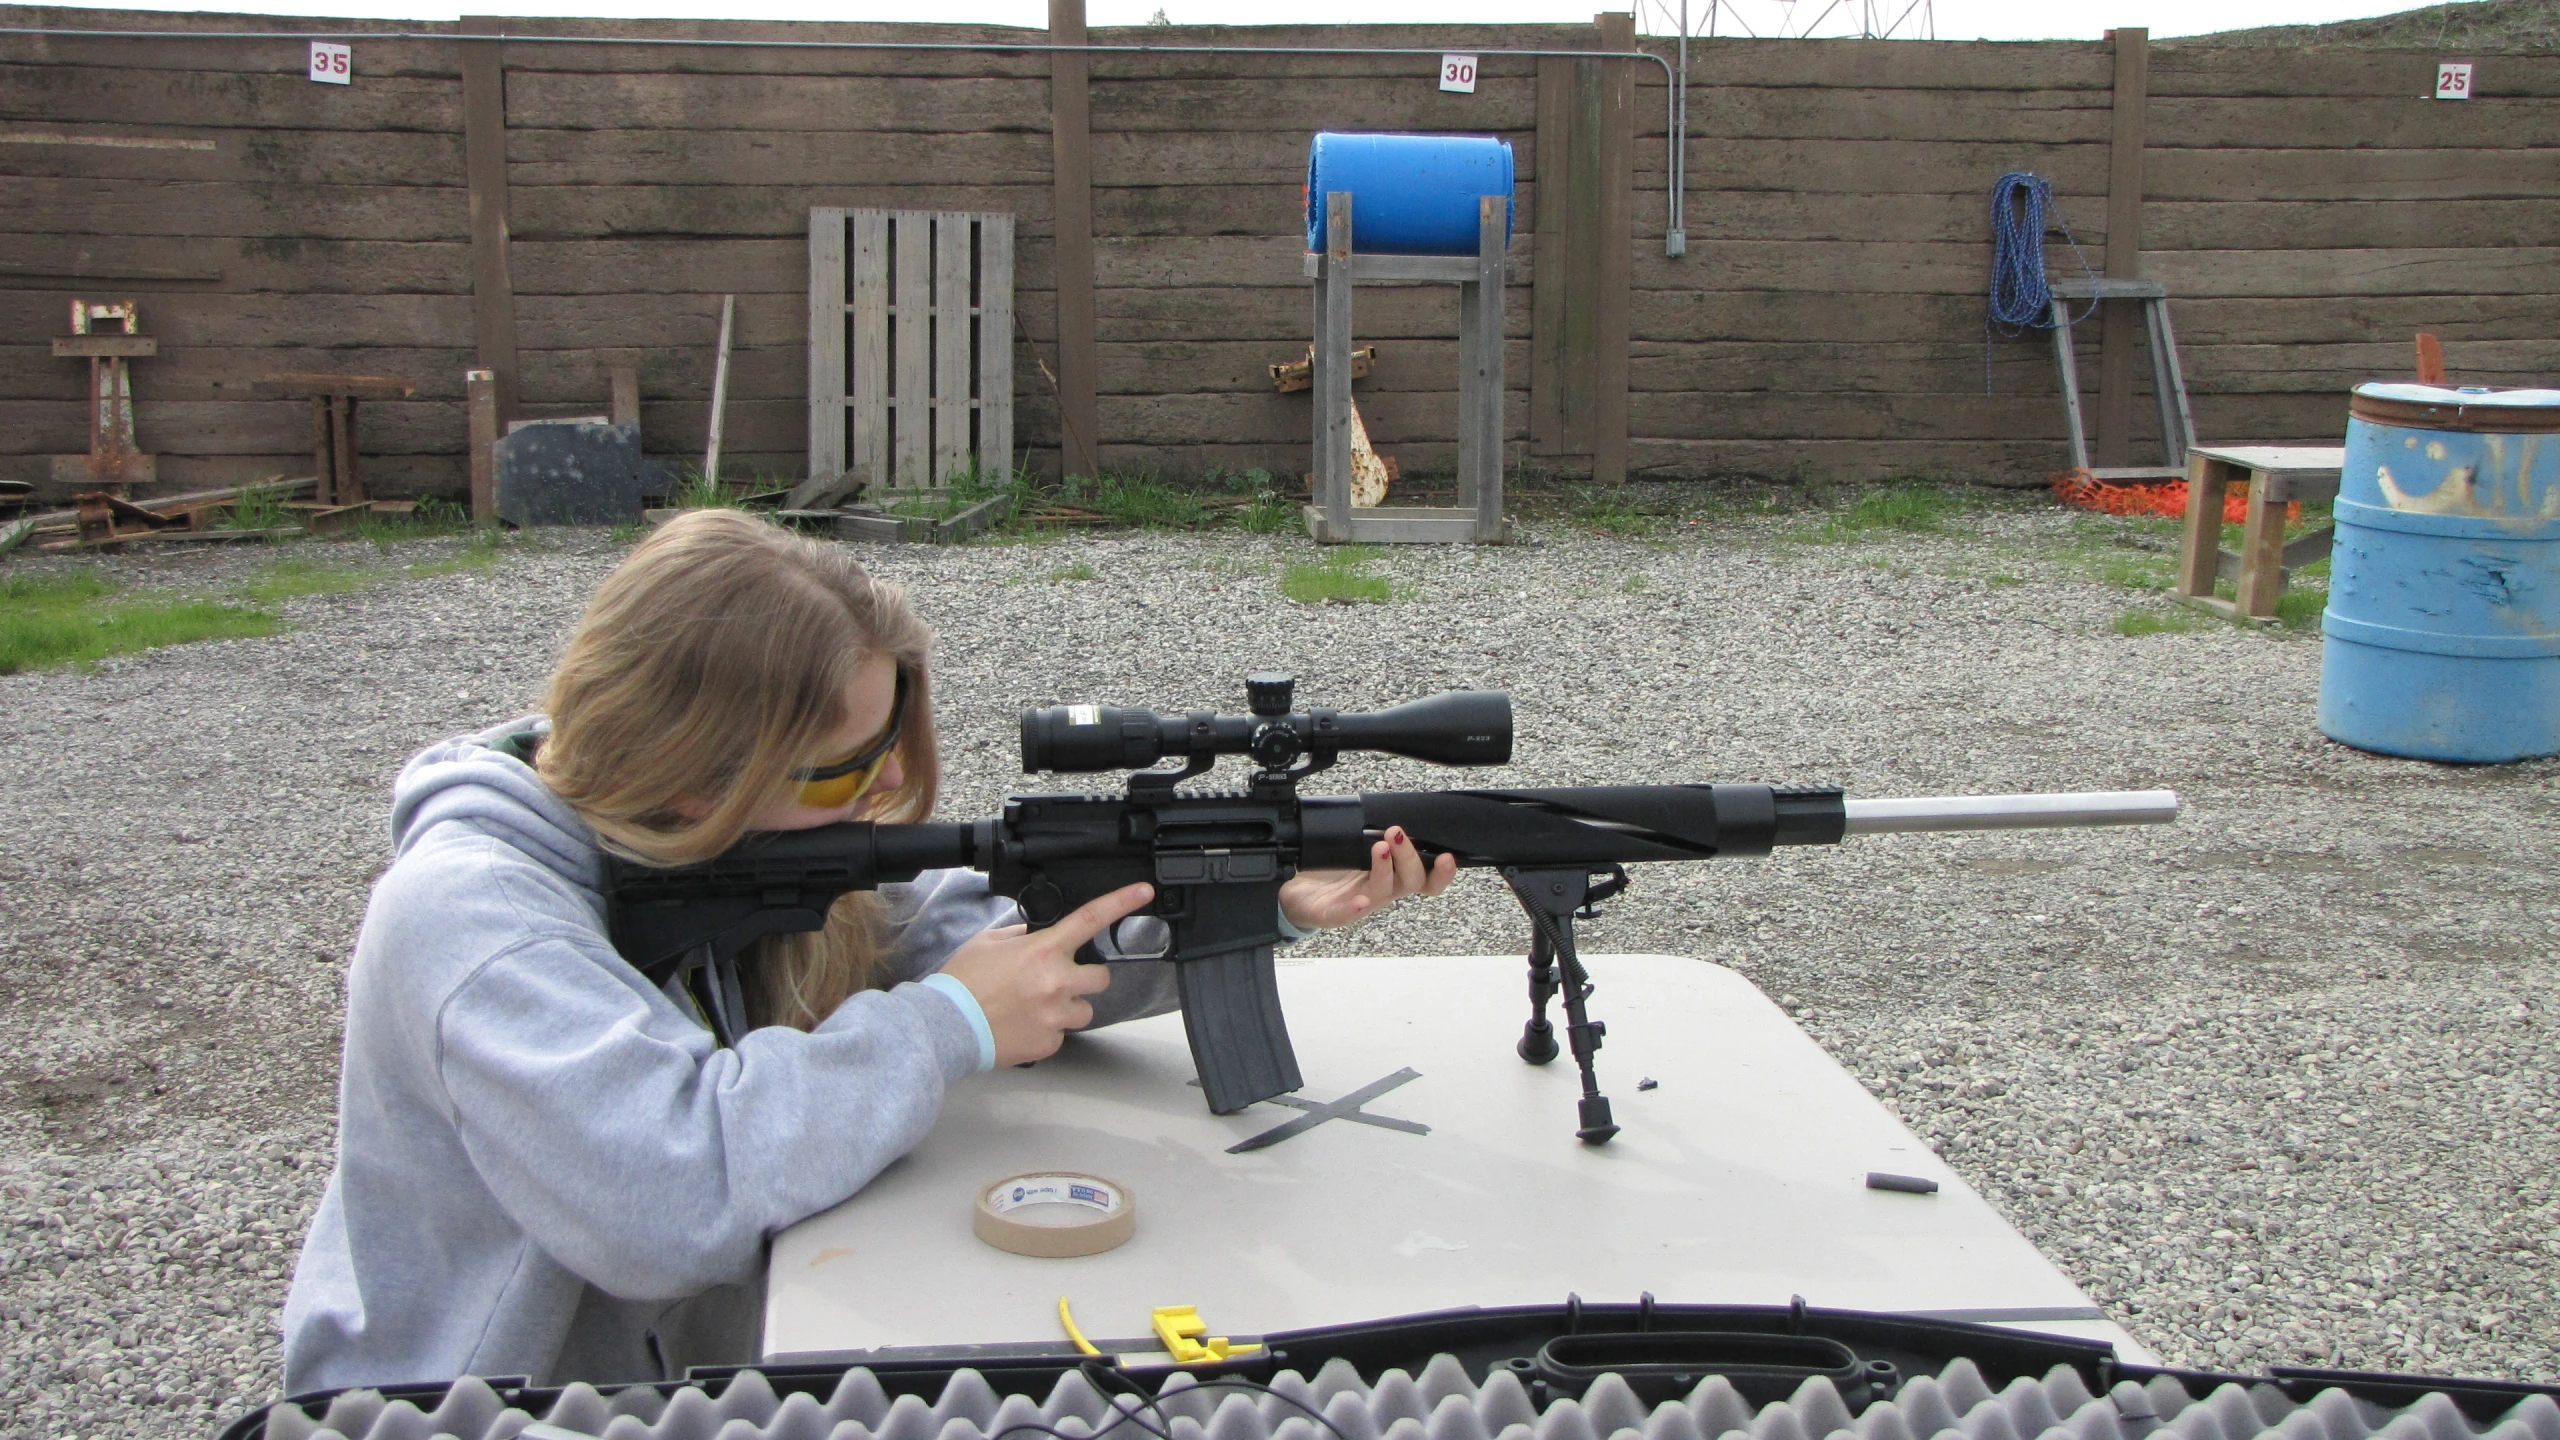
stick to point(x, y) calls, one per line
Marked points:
point(1217, 861)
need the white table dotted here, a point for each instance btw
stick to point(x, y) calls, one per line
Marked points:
point(1740, 1178)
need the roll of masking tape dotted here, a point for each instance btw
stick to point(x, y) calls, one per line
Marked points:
point(1052, 1215)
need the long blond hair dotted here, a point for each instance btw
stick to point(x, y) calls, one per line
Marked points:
point(712, 661)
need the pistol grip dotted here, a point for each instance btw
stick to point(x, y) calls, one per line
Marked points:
point(1239, 1038)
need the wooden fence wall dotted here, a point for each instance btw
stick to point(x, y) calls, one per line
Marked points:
point(2309, 209)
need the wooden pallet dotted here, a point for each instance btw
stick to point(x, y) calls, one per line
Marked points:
point(910, 346)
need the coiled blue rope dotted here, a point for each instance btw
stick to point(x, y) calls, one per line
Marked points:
point(2021, 300)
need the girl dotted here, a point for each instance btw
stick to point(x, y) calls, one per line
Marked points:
point(546, 1167)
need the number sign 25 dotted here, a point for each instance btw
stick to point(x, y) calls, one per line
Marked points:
point(332, 64)
point(2453, 82)
point(1458, 72)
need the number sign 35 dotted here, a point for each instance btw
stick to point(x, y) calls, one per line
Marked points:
point(332, 64)
point(1458, 72)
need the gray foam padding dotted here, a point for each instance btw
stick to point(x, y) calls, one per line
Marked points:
point(1439, 1404)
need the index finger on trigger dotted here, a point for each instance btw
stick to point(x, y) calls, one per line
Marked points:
point(1089, 919)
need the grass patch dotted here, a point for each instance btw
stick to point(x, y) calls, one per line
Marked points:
point(697, 491)
point(2159, 622)
point(2004, 579)
point(434, 519)
point(1340, 578)
point(1141, 502)
point(1633, 585)
point(1078, 571)
point(1905, 509)
point(49, 621)
point(484, 550)
point(284, 579)
point(1615, 513)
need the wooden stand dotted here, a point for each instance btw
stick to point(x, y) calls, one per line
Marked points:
point(2168, 383)
point(1477, 517)
point(2277, 476)
point(334, 449)
point(114, 462)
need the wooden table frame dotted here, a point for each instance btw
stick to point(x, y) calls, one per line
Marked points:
point(2276, 476)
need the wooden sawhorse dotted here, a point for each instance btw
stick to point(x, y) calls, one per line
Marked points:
point(2277, 476)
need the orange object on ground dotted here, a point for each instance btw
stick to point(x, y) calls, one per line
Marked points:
point(2157, 497)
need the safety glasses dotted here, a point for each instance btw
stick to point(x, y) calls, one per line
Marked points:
point(826, 787)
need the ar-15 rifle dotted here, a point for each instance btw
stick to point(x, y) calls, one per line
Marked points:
point(1218, 859)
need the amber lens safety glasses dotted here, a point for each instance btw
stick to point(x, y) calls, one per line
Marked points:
point(826, 787)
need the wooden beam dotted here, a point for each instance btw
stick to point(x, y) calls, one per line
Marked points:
point(482, 388)
point(484, 143)
point(2120, 345)
point(1071, 141)
point(1614, 265)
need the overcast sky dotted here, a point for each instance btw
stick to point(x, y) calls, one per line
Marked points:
point(1955, 19)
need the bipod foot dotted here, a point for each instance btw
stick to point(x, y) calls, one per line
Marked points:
point(1554, 899)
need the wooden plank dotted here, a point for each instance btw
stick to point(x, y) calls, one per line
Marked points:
point(484, 122)
point(1959, 415)
point(89, 206)
point(2187, 68)
point(1615, 244)
point(553, 100)
point(378, 56)
point(740, 158)
point(719, 408)
point(306, 267)
point(680, 212)
point(1334, 420)
point(1481, 376)
point(2410, 120)
point(826, 340)
point(2341, 176)
point(1790, 460)
point(1884, 167)
point(869, 457)
point(1299, 107)
point(624, 381)
point(1894, 65)
point(183, 321)
point(1822, 266)
point(953, 373)
point(272, 157)
point(2519, 270)
point(911, 349)
point(1242, 158)
point(234, 427)
point(1842, 113)
point(2120, 334)
point(995, 342)
point(1071, 134)
point(689, 267)
point(95, 95)
point(1135, 316)
point(2367, 224)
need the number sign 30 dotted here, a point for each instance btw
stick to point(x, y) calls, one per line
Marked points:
point(1458, 72)
point(332, 64)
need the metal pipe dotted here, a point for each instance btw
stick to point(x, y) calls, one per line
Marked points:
point(1670, 83)
point(2011, 812)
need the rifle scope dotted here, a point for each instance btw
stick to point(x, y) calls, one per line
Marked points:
point(1462, 727)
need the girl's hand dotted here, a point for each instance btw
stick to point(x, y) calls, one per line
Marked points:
point(1327, 899)
point(1028, 981)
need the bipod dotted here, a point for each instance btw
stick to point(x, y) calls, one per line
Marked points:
point(1554, 900)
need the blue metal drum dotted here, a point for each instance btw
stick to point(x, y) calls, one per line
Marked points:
point(2442, 634)
point(1410, 194)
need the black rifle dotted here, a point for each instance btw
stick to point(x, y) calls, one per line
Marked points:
point(1217, 860)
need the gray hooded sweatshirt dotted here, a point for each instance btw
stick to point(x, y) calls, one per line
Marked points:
point(545, 1167)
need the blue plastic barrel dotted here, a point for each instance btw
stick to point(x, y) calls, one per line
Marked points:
point(1410, 194)
point(2442, 635)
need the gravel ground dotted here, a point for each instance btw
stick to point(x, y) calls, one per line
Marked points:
point(2277, 1084)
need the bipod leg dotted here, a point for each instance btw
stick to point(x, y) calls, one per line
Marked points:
point(1538, 1037)
point(1553, 898)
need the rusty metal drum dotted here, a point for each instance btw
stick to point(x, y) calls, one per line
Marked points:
point(2441, 640)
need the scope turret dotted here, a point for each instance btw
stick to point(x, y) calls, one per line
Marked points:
point(1462, 727)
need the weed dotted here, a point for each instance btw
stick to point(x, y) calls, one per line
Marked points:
point(626, 534)
point(259, 507)
point(434, 519)
point(1634, 584)
point(697, 491)
point(2299, 607)
point(2005, 579)
point(1612, 513)
point(75, 619)
point(1338, 579)
point(1141, 502)
point(1271, 512)
point(477, 555)
point(284, 579)
point(1080, 570)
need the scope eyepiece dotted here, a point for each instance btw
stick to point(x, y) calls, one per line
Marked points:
point(1462, 727)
